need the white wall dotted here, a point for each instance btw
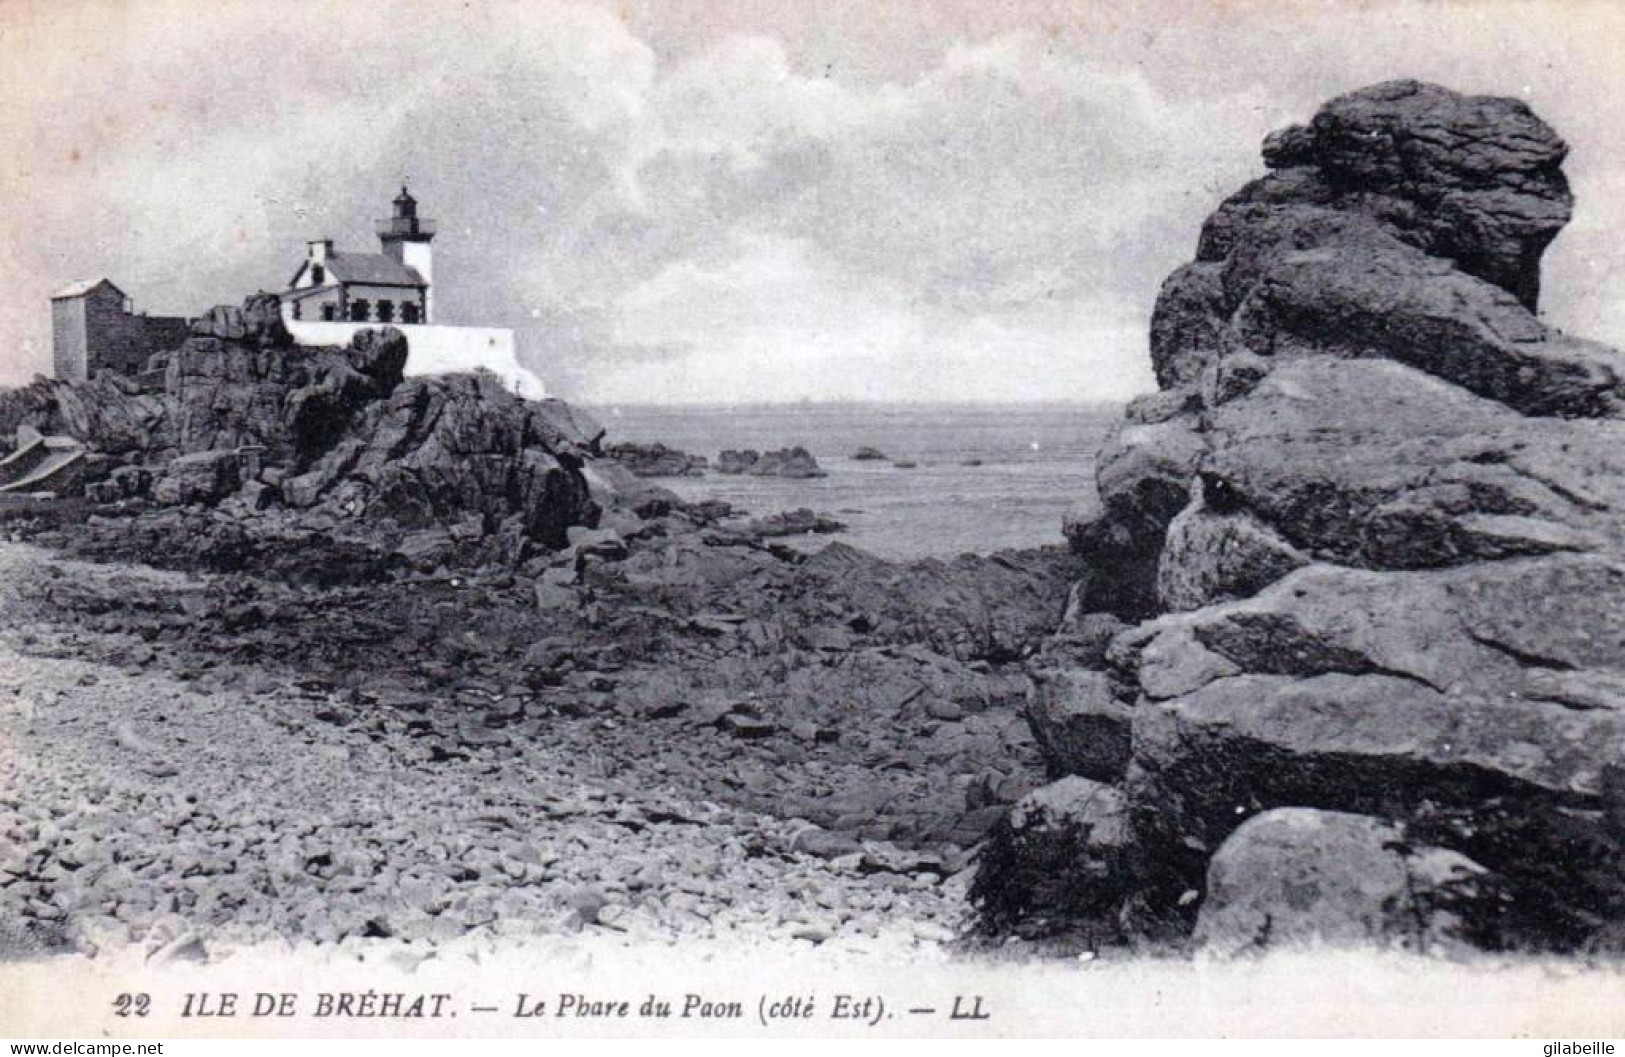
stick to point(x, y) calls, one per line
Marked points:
point(400, 295)
point(310, 307)
point(418, 255)
point(438, 349)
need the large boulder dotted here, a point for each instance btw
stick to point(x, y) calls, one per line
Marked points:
point(204, 477)
point(1301, 878)
point(1475, 179)
point(1371, 530)
point(256, 323)
point(1187, 325)
point(1492, 691)
point(1144, 477)
point(1058, 853)
point(1308, 281)
point(1212, 556)
point(1082, 725)
point(1384, 230)
point(1375, 464)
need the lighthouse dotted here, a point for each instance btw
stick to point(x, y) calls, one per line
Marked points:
point(406, 237)
point(336, 294)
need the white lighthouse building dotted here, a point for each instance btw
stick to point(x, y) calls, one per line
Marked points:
point(336, 293)
point(406, 237)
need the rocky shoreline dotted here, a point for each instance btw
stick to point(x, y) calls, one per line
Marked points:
point(824, 740)
point(193, 802)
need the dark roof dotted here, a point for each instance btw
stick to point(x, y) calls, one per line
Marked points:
point(305, 291)
point(82, 287)
point(378, 268)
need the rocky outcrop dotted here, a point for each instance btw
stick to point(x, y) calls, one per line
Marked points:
point(656, 460)
point(109, 411)
point(795, 462)
point(444, 448)
point(1369, 538)
point(257, 323)
point(801, 521)
point(293, 402)
point(336, 434)
point(219, 393)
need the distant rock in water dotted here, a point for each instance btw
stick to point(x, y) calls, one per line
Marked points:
point(868, 454)
point(656, 460)
point(799, 522)
point(786, 462)
point(1357, 571)
point(736, 462)
point(905, 464)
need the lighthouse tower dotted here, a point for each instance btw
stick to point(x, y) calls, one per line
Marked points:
point(335, 295)
point(406, 237)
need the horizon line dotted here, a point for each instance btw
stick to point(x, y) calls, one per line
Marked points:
point(879, 402)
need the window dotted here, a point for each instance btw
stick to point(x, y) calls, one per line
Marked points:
point(409, 313)
point(359, 310)
point(386, 311)
point(318, 274)
point(296, 313)
point(330, 312)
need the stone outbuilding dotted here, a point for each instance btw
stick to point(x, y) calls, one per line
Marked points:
point(94, 327)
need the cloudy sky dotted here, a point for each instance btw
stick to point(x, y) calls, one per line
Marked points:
point(718, 201)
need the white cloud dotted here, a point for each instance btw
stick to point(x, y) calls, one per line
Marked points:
point(774, 319)
point(851, 242)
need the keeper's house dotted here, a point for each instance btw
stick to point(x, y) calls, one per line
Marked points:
point(336, 293)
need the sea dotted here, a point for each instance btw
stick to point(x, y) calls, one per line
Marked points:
point(985, 477)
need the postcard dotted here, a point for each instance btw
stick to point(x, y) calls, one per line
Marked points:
point(849, 520)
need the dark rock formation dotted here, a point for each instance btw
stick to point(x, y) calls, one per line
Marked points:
point(794, 462)
point(869, 454)
point(736, 462)
point(656, 460)
point(257, 323)
point(1370, 529)
point(336, 433)
point(1474, 179)
point(1057, 853)
point(799, 522)
point(203, 477)
point(442, 448)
